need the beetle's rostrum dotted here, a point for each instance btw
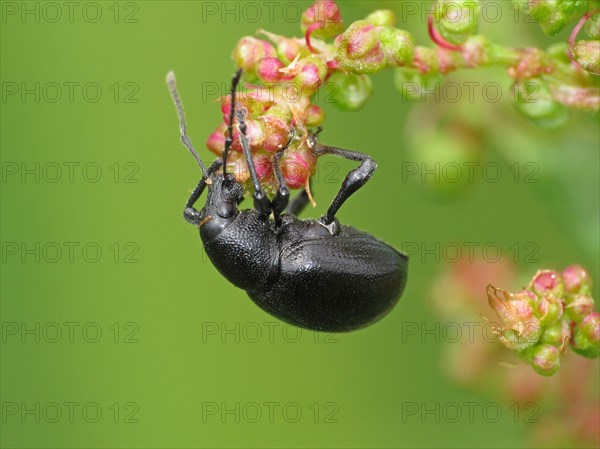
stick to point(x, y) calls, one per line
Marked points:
point(316, 273)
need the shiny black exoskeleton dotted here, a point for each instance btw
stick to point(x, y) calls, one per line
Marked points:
point(315, 274)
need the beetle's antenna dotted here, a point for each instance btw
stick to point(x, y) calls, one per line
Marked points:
point(229, 138)
point(182, 126)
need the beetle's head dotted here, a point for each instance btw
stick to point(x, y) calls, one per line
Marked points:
point(221, 208)
point(224, 192)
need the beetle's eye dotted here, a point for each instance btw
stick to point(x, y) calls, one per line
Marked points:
point(225, 209)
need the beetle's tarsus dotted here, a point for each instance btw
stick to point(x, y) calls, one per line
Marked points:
point(282, 198)
point(192, 216)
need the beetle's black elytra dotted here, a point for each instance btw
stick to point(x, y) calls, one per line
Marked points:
point(315, 273)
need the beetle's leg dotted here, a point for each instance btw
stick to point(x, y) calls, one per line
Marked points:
point(261, 201)
point(300, 201)
point(282, 197)
point(353, 181)
point(229, 139)
point(190, 214)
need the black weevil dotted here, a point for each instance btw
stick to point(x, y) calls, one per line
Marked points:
point(316, 274)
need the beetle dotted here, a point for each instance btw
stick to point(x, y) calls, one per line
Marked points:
point(317, 273)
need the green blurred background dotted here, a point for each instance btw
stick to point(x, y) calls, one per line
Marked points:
point(179, 346)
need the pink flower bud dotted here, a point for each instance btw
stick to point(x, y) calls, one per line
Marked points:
point(576, 279)
point(216, 141)
point(545, 359)
point(309, 79)
point(254, 132)
point(236, 164)
point(297, 167)
point(361, 40)
point(352, 91)
point(255, 101)
point(359, 49)
point(586, 336)
point(315, 115)
point(579, 306)
point(277, 133)
point(287, 48)
point(511, 307)
point(547, 282)
point(267, 70)
point(249, 51)
point(519, 328)
point(264, 166)
point(323, 18)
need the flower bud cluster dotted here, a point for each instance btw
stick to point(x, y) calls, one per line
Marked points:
point(288, 72)
point(269, 119)
point(368, 47)
point(554, 311)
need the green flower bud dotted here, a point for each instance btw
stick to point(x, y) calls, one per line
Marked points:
point(535, 102)
point(554, 15)
point(545, 359)
point(592, 26)
point(520, 336)
point(398, 46)
point(413, 85)
point(556, 334)
point(281, 111)
point(550, 309)
point(586, 336)
point(352, 91)
point(457, 20)
point(382, 18)
point(587, 54)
